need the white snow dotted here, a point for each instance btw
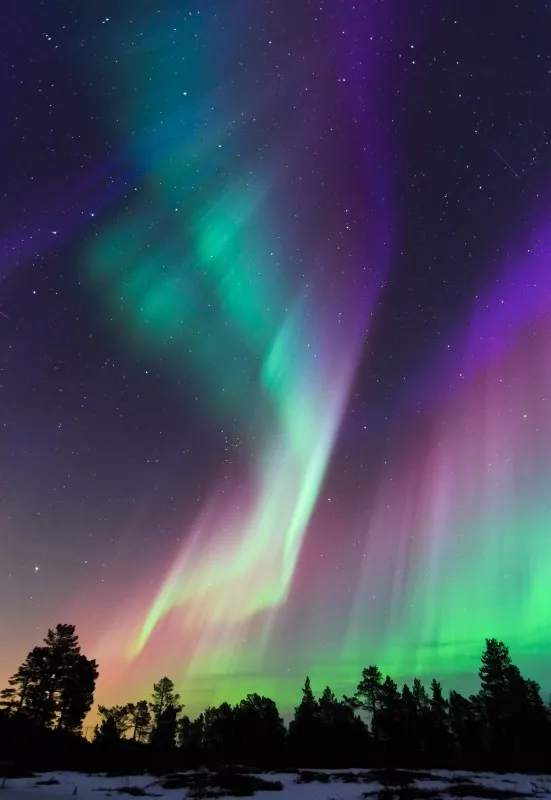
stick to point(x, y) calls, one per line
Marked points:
point(97, 786)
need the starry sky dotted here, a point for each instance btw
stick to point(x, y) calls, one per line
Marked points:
point(275, 339)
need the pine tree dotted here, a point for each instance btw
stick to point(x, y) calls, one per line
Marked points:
point(219, 731)
point(165, 707)
point(328, 707)
point(512, 706)
point(387, 718)
point(9, 700)
point(493, 672)
point(304, 727)
point(76, 694)
point(55, 684)
point(407, 733)
point(439, 735)
point(525, 716)
point(308, 704)
point(368, 692)
point(163, 697)
point(189, 735)
point(106, 734)
point(306, 711)
point(163, 735)
point(538, 720)
point(139, 717)
point(342, 734)
point(465, 723)
point(438, 707)
point(420, 697)
point(31, 688)
point(259, 730)
point(115, 722)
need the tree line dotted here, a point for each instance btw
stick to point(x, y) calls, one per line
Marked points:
point(505, 723)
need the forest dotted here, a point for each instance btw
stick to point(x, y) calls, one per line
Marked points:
point(506, 724)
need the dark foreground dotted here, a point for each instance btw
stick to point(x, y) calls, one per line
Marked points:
point(386, 784)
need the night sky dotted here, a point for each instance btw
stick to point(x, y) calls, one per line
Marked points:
point(275, 339)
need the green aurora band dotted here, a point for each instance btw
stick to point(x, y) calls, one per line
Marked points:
point(206, 270)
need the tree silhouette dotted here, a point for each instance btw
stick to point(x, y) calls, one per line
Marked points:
point(55, 684)
point(407, 736)
point(115, 722)
point(326, 729)
point(439, 740)
point(259, 730)
point(505, 724)
point(513, 716)
point(387, 719)
point(31, 689)
point(163, 697)
point(165, 707)
point(139, 717)
point(189, 736)
point(341, 733)
point(369, 689)
point(113, 725)
point(420, 697)
point(494, 692)
point(218, 731)
point(303, 729)
point(464, 723)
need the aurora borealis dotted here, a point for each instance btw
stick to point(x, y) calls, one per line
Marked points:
point(276, 335)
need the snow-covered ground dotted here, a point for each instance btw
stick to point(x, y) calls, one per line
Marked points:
point(304, 785)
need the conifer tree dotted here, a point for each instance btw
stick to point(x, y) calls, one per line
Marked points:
point(465, 723)
point(386, 721)
point(165, 707)
point(114, 723)
point(439, 736)
point(55, 684)
point(163, 697)
point(139, 717)
point(368, 691)
point(219, 730)
point(189, 735)
point(31, 688)
point(259, 730)
point(304, 727)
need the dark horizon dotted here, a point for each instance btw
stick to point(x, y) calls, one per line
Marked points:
point(505, 725)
